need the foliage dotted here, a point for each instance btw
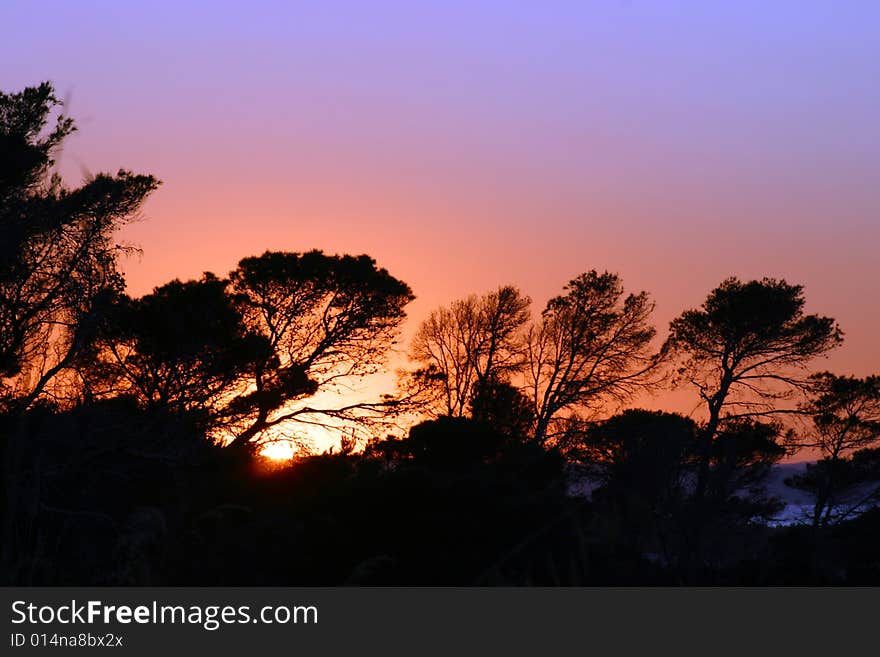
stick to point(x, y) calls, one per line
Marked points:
point(745, 349)
point(591, 347)
point(58, 261)
point(844, 414)
point(180, 348)
point(748, 345)
point(327, 320)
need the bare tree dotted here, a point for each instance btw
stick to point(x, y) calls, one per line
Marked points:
point(474, 341)
point(591, 345)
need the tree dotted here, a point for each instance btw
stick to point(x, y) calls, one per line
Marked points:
point(58, 272)
point(591, 345)
point(643, 461)
point(742, 454)
point(646, 462)
point(179, 348)
point(844, 414)
point(646, 452)
point(445, 443)
point(58, 260)
point(246, 352)
point(504, 407)
point(473, 341)
point(326, 320)
point(745, 348)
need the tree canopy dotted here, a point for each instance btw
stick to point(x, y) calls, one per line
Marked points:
point(248, 351)
point(58, 258)
point(591, 347)
point(326, 319)
point(749, 343)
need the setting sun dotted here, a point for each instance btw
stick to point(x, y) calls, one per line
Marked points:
point(279, 451)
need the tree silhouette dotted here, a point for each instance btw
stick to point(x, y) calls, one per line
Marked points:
point(475, 340)
point(591, 345)
point(245, 353)
point(179, 348)
point(504, 407)
point(326, 320)
point(845, 425)
point(742, 454)
point(746, 348)
point(644, 451)
point(647, 461)
point(57, 255)
point(643, 461)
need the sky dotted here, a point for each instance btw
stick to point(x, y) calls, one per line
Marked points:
point(466, 145)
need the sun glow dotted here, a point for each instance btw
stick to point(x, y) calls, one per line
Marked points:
point(279, 451)
point(315, 433)
point(292, 439)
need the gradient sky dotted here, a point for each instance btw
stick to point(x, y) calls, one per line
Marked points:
point(469, 144)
